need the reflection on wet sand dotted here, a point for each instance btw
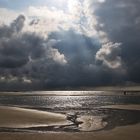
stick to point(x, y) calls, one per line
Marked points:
point(28, 120)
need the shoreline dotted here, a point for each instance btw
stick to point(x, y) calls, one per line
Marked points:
point(73, 93)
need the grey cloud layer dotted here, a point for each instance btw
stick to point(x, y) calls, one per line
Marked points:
point(65, 59)
point(70, 59)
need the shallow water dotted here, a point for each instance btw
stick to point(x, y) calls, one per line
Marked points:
point(85, 113)
point(67, 102)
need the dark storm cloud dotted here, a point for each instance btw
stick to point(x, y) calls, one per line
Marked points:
point(15, 47)
point(10, 53)
point(121, 21)
point(65, 59)
point(81, 68)
point(25, 56)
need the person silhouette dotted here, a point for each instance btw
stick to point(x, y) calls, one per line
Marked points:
point(124, 92)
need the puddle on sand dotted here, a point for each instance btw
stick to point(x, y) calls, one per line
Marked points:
point(91, 123)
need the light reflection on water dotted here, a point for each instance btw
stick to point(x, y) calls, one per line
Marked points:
point(61, 102)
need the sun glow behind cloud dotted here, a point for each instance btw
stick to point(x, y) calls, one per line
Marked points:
point(60, 2)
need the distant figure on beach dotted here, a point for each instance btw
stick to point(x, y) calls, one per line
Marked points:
point(124, 92)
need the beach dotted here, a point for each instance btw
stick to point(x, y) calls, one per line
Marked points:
point(62, 116)
point(14, 117)
point(19, 117)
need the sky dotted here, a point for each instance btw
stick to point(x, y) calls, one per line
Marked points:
point(69, 43)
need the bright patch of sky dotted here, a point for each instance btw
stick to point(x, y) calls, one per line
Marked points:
point(20, 5)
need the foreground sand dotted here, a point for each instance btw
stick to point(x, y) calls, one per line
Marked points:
point(121, 133)
point(14, 117)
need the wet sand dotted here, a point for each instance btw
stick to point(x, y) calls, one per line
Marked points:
point(120, 133)
point(126, 107)
point(18, 117)
point(14, 117)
